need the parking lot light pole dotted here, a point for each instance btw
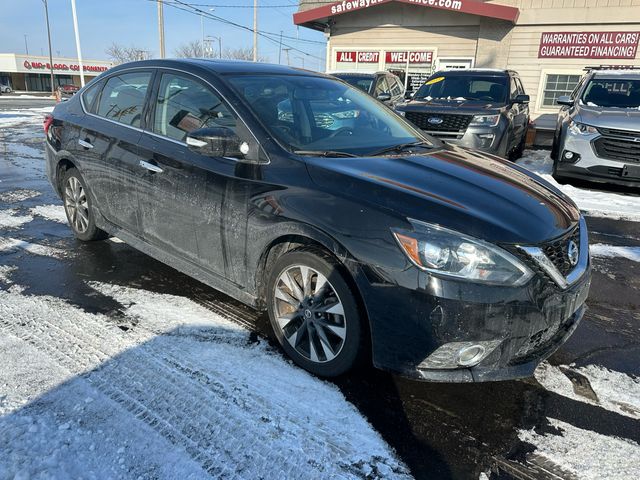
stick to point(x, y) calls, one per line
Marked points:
point(46, 14)
point(75, 28)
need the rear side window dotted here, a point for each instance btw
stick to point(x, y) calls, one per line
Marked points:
point(396, 89)
point(122, 98)
point(89, 96)
point(185, 104)
point(381, 86)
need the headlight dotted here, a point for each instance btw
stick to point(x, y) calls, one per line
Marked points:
point(581, 129)
point(449, 253)
point(346, 114)
point(484, 121)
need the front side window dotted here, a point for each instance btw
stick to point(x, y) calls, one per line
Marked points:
point(122, 98)
point(612, 93)
point(322, 114)
point(461, 87)
point(557, 86)
point(184, 105)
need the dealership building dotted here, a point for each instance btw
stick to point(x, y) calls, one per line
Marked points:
point(549, 42)
point(33, 73)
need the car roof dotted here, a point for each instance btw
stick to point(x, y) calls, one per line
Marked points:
point(463, 72)
point(217, 66)
point(361, 74)
point(628, 74)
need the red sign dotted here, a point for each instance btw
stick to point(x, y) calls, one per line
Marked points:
point(360, 57)
point(411, 57)
point(74, 67)
point(589, 45)
point(474, 7)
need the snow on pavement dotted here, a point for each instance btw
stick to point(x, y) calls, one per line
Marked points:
point(610, 251)
point(181, 384)
point(586, 454)
point(11, 219)
point(50, 212)
point(593, 202)
point(615, 391)
point(8, 244)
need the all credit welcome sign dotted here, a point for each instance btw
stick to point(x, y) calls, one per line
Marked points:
point(613, 45)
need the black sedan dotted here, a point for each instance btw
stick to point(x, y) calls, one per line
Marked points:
point(370, 241)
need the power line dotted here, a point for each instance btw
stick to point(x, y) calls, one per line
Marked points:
point(289, 5)
point(186, 7)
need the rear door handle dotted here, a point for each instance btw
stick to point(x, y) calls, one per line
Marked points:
point(85, 144)
point(150, 166)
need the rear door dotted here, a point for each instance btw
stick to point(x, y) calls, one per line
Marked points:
point(109, 139)
point(185, 196)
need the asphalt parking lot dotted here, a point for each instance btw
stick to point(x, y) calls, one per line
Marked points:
point(578, 418)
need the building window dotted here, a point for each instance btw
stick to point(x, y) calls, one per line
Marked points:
point(556, 86)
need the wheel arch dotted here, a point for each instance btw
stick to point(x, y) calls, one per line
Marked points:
point(62, 166)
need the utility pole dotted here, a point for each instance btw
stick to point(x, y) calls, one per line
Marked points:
point(280, 50)
point(286, 51)
point(78, 49)
point(202, 33)
point(46, 14)
point(26, 45)
point(255, 30)
point(161, 27)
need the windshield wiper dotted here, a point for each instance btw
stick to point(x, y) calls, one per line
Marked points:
point(401, 147)
point(324, 153)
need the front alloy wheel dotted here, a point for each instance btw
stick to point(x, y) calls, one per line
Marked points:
point(313, 312)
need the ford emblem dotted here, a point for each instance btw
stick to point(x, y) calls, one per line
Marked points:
point(573, 253)
point(435, 120)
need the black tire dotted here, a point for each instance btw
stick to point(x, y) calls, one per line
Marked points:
point(519, 151)
point(351, 351)
point(78, 209)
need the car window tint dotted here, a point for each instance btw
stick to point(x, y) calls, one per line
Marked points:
point(514, 88)
point(395, 86)
point(184, 104)
point(520, 87)
point(89, 95)
point(122, 98)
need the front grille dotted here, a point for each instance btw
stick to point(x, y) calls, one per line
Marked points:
point(619, 145)
point(557, 251)
point(451, 123)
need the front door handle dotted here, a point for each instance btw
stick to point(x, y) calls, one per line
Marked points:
point(85, 144)
point(150, 166)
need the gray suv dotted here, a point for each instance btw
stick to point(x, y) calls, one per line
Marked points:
point(597, 136)
point(483, 109)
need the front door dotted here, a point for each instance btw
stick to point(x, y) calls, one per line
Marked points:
point(184, 196)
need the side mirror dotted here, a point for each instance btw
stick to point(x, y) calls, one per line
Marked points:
point(384, 97)
point(217, 142)
point(564, 100)
point(409, 95)
point(521, 99)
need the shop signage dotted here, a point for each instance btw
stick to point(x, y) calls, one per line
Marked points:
point(622, 45)
point(360, 57)
point(32, 65)
point(411, 57)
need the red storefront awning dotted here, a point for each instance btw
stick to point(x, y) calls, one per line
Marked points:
point(318, 17)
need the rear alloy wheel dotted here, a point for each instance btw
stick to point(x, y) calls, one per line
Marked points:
point(77, 206)
point(313, 312)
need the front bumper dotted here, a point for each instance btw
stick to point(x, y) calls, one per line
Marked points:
point(414, 314)
point(486, 139)
point(589, 165)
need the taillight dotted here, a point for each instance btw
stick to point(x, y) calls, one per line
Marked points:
point(48, 120)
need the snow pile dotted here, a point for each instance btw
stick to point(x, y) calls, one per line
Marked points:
point(8, 244)
point(197, 400)
point(10, 218)
point(588, 455)
point(616, 391)
point(5, 273)
point(593, 202)
point(19, 195)
point(55, 213)
point(603, 250)
point(9, 118)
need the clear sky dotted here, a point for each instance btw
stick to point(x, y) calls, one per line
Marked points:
point(134, 23)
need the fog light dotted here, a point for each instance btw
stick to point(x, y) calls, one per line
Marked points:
point(568, 156)
point(470, 356)
point(459, 354)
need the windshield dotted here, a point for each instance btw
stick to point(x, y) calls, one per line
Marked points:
point(461, 87)
point(322, 114)
point(612, 92)
point(363, 83)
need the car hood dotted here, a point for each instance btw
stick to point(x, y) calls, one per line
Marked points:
point(462, 106)
point(617, 118)
point(471, 192)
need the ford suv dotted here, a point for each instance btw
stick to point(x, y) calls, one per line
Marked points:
point(478, 108)
point(597, 136)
